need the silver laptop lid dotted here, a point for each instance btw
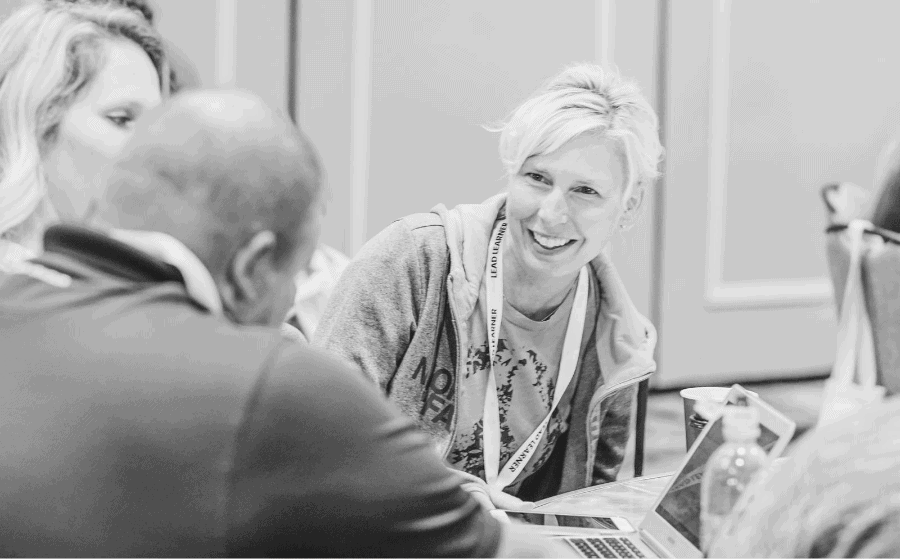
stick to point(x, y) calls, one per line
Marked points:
point(674, 521)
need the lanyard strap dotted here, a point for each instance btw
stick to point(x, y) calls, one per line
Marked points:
point(571, 348)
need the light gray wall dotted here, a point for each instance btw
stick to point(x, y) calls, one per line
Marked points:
point(437, 73)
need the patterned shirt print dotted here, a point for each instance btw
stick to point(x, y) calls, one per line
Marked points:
point(527, 366)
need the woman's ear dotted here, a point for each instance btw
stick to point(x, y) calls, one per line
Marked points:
point(245, 278)
point(633, 204)
point(636, 199)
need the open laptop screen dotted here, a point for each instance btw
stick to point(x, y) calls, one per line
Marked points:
point(680, 506)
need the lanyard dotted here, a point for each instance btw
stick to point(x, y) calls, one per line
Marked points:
point(571, 348)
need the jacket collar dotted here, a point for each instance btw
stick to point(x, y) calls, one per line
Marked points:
point(625, 339)
point(12, 254)
point(198, 281)
point(17, 259)
point(143, 256)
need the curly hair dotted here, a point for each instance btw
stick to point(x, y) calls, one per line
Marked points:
point(177, 82)
point(137, 5)
point(50, 53)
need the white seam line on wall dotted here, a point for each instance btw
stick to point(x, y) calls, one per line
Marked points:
point(718, 143)
point(604, 41)
point(226, 37)
point(718, 292)
point(360, 117)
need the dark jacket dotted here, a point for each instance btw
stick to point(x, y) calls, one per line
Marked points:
point(135, 423)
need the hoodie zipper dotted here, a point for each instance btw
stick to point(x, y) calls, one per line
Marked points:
point(624, 384)
point(456, 375)
point(592, 444)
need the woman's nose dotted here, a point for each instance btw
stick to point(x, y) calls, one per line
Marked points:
point(554, 210)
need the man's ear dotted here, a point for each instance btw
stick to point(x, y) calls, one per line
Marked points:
point(245, 282)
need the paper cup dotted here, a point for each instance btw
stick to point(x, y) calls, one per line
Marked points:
point(690, 396)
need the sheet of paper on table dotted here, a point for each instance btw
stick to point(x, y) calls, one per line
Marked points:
point(631, 499)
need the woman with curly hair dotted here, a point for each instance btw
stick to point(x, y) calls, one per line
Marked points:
point(74, 78)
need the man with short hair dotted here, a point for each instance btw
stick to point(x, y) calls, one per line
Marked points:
point(149, 405)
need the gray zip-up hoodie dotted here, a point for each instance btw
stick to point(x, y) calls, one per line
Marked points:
point(400, 313)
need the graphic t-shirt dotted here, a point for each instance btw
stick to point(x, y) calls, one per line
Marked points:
point(527, 366)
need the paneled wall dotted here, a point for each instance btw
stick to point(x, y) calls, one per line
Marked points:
point(324, 105)
point(235, 43)
point(762, 102)
point(442, 70)
point(396, 93)
point(232, 43)
point(767, 101)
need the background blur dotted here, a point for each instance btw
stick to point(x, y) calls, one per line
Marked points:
point(761, 101)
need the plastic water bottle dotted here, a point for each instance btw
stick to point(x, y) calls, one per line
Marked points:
point(730, 469)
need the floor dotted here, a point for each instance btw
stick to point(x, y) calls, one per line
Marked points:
point(665, 443)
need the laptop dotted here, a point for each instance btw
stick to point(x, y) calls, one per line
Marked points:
point(672, 526)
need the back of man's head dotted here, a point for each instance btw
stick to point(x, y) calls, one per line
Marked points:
point(233, 180)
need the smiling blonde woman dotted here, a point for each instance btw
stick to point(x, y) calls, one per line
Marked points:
point(74, 77)
point(503, 328)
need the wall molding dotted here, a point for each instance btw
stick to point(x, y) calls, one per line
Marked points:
point(604, 47)
point(719, 293)
point(360, 117)
point(293, 59)
point(226, 43)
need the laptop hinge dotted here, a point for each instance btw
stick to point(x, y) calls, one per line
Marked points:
point(654, 545)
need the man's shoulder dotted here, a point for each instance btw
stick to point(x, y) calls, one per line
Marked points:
point(202, 343)
point(313, 373)
point(102, 325)
point(322, 442)
point(148, 385)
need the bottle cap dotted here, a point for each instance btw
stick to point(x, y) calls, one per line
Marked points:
point(740, 423)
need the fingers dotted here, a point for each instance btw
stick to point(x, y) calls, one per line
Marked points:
point(501, 516)
point(506, 501)
point(491, 497)
point(480, 492)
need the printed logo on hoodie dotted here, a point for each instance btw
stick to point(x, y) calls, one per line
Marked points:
point(437, 375)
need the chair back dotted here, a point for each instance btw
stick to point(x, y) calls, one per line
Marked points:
point(880, 278)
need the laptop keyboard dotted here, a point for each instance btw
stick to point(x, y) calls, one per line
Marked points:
point(605, 547)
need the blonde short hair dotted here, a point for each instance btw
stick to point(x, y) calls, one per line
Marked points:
point(50, 52)
point(585, 98)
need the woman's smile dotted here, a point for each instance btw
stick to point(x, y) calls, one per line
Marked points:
point(550, 244)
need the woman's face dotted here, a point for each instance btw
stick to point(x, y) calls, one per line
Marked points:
point(95, 128)
point(563, 207)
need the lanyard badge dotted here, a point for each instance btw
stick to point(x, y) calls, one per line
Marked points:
point(494, 475)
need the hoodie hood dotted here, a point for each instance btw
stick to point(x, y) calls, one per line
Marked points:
point(625, 339)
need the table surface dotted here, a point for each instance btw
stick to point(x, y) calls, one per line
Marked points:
point(631, 499)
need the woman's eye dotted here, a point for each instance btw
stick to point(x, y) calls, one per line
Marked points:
point(536, 177)
point(587, 190)
point(120, 119)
